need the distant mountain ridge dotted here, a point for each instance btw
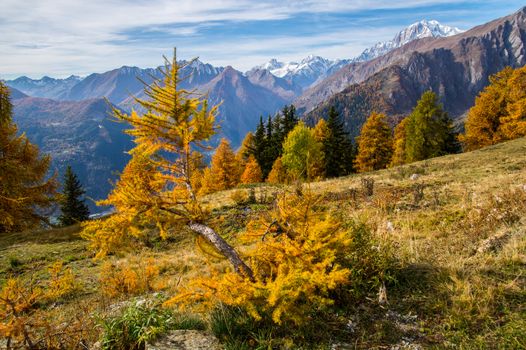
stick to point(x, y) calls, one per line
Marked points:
point(457, 68)
point(304, 73)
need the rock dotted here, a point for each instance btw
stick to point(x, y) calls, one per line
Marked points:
point(186, 340)
point(414, 177)
point(493, 243)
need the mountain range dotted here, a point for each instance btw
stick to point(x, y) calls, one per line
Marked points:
point(457, 68)
point(69, 119)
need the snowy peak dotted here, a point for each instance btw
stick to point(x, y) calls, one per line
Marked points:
point(418, 30)
point(424, 29)
point(305, 72)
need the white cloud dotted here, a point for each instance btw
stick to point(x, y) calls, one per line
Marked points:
point(61, 37)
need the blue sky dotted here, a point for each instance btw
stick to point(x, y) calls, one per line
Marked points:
point(63, 37)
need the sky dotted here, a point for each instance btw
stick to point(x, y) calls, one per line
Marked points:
point(58, 38)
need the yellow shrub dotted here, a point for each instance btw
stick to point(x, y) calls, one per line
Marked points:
point(294, 257)
point(21, 320)
point(61, 283)
point(130, 278)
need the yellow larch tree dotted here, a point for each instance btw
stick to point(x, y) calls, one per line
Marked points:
point(224, 167)
point(375, 144)
point(296, 256)
point(252, 173)
point(278, 174)
point(321, 131)
point(399, 144)
point(483, 121)
point(25, 189)
point(513, 125)
point(156, 189)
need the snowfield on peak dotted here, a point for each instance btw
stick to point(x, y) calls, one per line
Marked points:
point(418, 30)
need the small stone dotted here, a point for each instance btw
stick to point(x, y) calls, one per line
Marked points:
point(186, 340)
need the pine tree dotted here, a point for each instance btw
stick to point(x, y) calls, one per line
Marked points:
point(252, 173)
point(277, 133)
point(271, 150)
point(337, 147)
point(155, 188)
point(260, 143)
point(289, 120)
point(72, 206)
point(24, 190)
point(302, 154)
point(375, 144)
point(429, 130)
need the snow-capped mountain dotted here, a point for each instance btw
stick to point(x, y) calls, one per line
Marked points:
point(418, 30)
point(305, 72)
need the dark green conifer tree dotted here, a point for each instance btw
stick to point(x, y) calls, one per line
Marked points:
point(337, 147)
point(272, 149)
point(289, 120)
point(260, 143)
point(72, 205)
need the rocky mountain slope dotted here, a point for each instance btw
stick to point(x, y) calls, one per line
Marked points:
point(242, 102)
point(457, 68)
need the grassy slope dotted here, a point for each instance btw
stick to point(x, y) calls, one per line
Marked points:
point(455, 286)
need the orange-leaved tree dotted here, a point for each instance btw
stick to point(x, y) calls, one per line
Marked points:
point(278, 174)
point(155, 188)
point(514, 124)
point(252, 173)
point(483, 121)
point(23, 171)
point(375, 144)
point(499, 113)
point(224, 167)
point(399, 156)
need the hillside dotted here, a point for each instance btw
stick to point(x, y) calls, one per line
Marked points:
point(456, 225)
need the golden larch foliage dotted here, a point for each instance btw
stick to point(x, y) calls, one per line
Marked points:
point(483, 121)
point(24, 189)
point(514, 123)
point(294, 259)
point(252, 173)
point(224, 167)
point(278, 174)
point(155, 187)
point(154, 195)
point(499, 113)
point(22, 323)
point(399, 157)
point(321, 131)
point(375, 144)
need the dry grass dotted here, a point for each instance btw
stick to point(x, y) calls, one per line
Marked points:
point(459, 229)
